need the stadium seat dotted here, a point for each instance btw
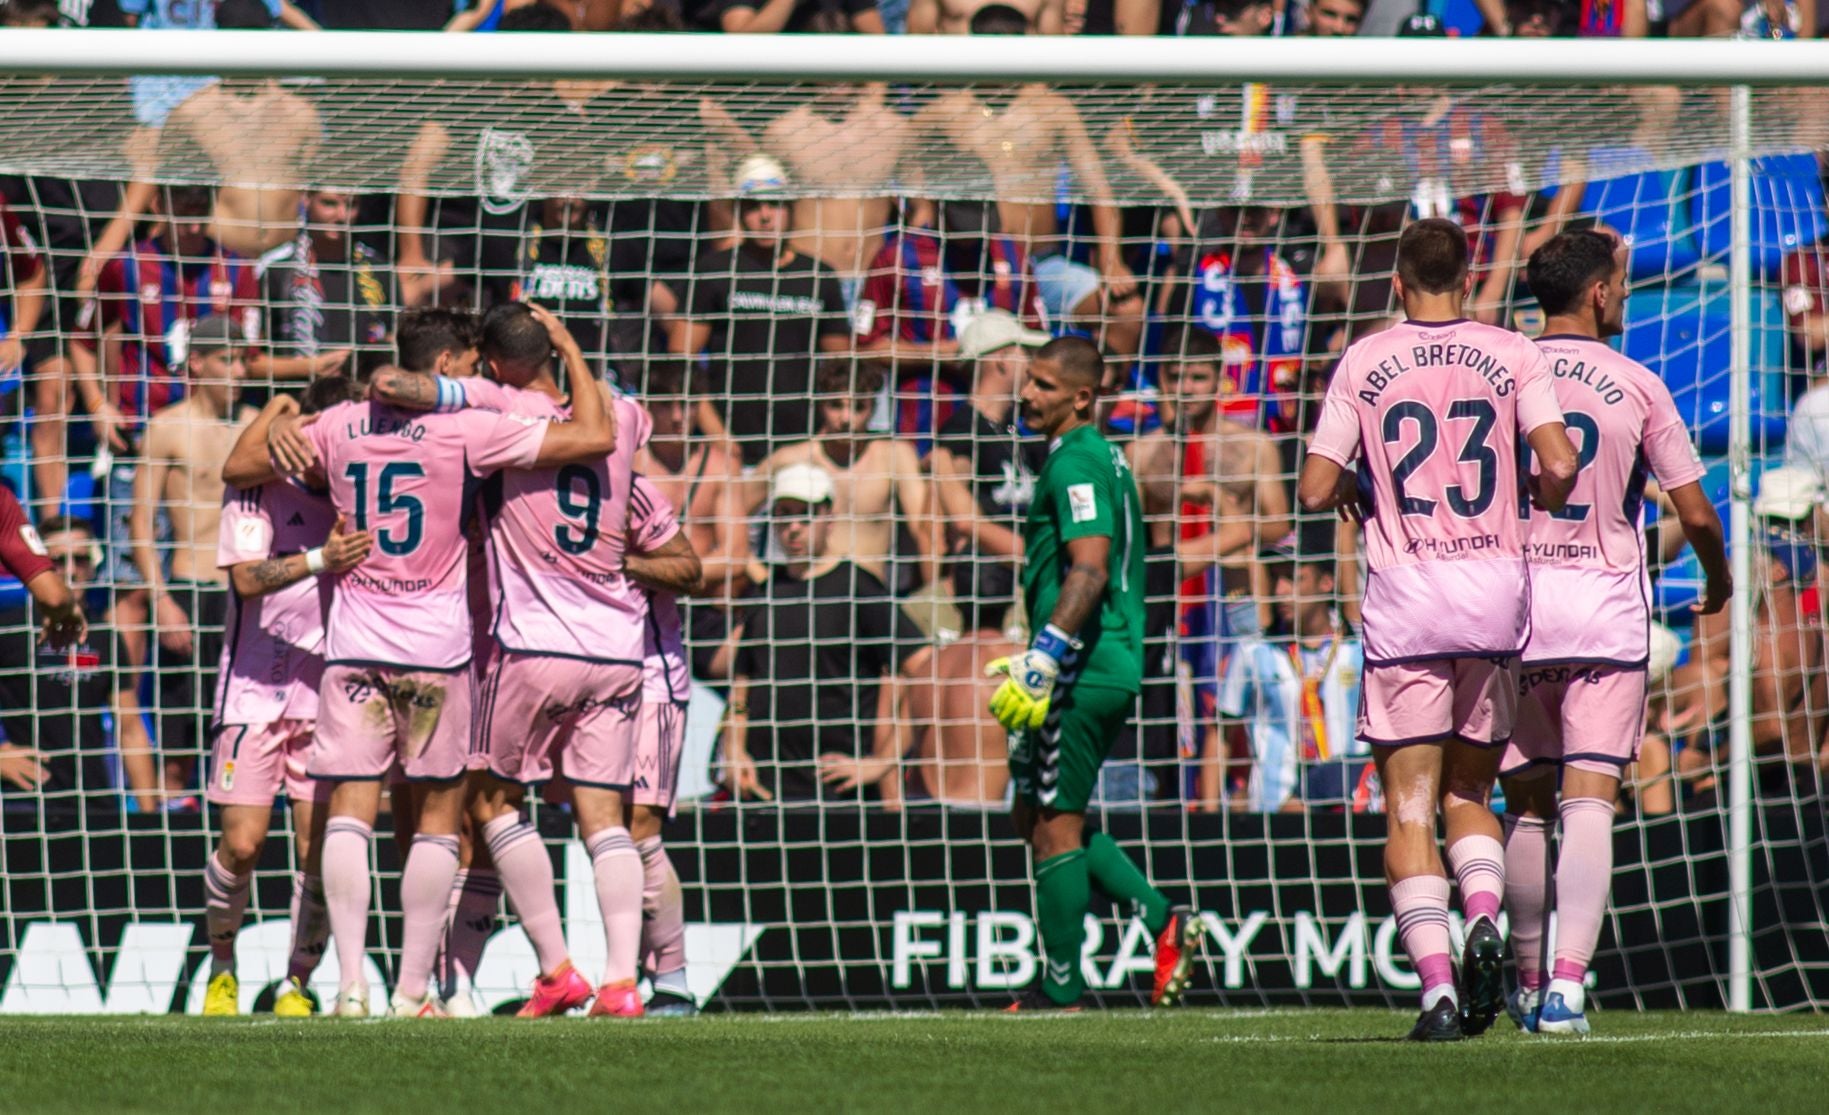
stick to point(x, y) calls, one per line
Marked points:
point(1682, 333)
point(1646, 209)
point(1788, 209)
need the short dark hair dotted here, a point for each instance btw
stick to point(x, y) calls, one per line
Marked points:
point(983, 591)
point(1432, 256)
point(424, 333)
point(999, 19)
point(57, 524)
point(665, 378)
point(243, 15)
point(513, 336)
point(1194, 345)
point(843, 376)
point(1567, 266)
point(539, 16)
point(325, 392)
point(188, 201)
point(1080, 359)
point(656, 18)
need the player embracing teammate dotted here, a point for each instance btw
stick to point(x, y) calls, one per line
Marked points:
point(1479, 564)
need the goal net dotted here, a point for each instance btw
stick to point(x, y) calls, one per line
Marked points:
point(844, 274)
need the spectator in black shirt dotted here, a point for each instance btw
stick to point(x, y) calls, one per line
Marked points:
point(828, 17)
point(983, 467)
point(564, 267)
point(54, 704)
point(818, 651)
point(327, 296)
point(765, 311)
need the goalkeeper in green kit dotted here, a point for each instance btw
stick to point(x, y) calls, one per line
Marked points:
point(1067, 697)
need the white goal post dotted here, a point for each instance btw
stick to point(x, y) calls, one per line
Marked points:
point(1330, 71)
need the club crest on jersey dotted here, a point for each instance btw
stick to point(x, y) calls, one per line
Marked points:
point(227, 779)
point(1083, 504)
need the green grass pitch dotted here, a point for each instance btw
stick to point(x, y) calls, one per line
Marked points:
point(1325, 1061)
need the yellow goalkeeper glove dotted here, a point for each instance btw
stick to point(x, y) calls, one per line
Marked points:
point(1021, 702)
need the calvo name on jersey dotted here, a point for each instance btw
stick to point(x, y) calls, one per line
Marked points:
point(1609, 389)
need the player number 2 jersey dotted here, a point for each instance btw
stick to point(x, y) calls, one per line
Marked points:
point(1433, 413)
point(1590, 590)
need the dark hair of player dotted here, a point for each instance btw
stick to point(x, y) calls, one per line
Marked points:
point(1080, 360)
point(423, 334)
point(841, 377)
point(1567, 266)
point(982, 591)
point(243, 15)
point(535, 17)
point(999, 19)
point(1432, 256)
point(512, 336)
point(1194, 346)
point(326, 392)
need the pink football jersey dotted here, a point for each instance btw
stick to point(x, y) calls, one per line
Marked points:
point(557, 544)
point(272, 656)
point(652, 523)
point(1590, 590)
point(409, 478)
point(1433, 413)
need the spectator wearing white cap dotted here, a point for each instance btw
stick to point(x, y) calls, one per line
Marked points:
point(763, 312)
point(983, 466)
point(818, 647)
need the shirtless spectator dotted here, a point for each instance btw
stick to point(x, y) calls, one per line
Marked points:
point(984, 469)
point(700, 477)
point(1022, 134)
point(1214, 497)
point(764, 310)
point(961, 753)
point(251, 130)
point(873, 477)
point(327, 295)
point(954, 17)
point(24, 279)
point(185, 446)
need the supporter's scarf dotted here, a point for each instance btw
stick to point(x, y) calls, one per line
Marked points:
point(307, 297)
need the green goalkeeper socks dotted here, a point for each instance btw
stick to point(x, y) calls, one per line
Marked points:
point(1062, 892)
point(1117, 875)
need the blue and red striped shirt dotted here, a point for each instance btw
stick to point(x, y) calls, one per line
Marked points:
point(911, 293)
point(155, 298)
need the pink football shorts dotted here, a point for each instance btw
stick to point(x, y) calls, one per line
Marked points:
point(658, 746)
point(1583, 716)
point(543, 714)
point(250, 764)
point(1474, 699)
point(370, 715)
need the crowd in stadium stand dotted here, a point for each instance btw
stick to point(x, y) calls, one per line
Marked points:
point(832, 384)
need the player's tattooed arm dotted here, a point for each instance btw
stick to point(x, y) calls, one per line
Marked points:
point(1084, 585)
point(341, 552)
point(406, 390)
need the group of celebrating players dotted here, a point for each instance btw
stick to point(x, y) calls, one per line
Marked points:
point(382, 632)
point(1506, 627)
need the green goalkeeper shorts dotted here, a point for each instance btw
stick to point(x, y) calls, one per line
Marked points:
point(1057, 765)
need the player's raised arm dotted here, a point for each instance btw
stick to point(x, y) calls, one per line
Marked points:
point(250, 462)
point(589, 435)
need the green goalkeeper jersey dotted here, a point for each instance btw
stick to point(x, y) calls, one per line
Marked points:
point(1086, 490)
